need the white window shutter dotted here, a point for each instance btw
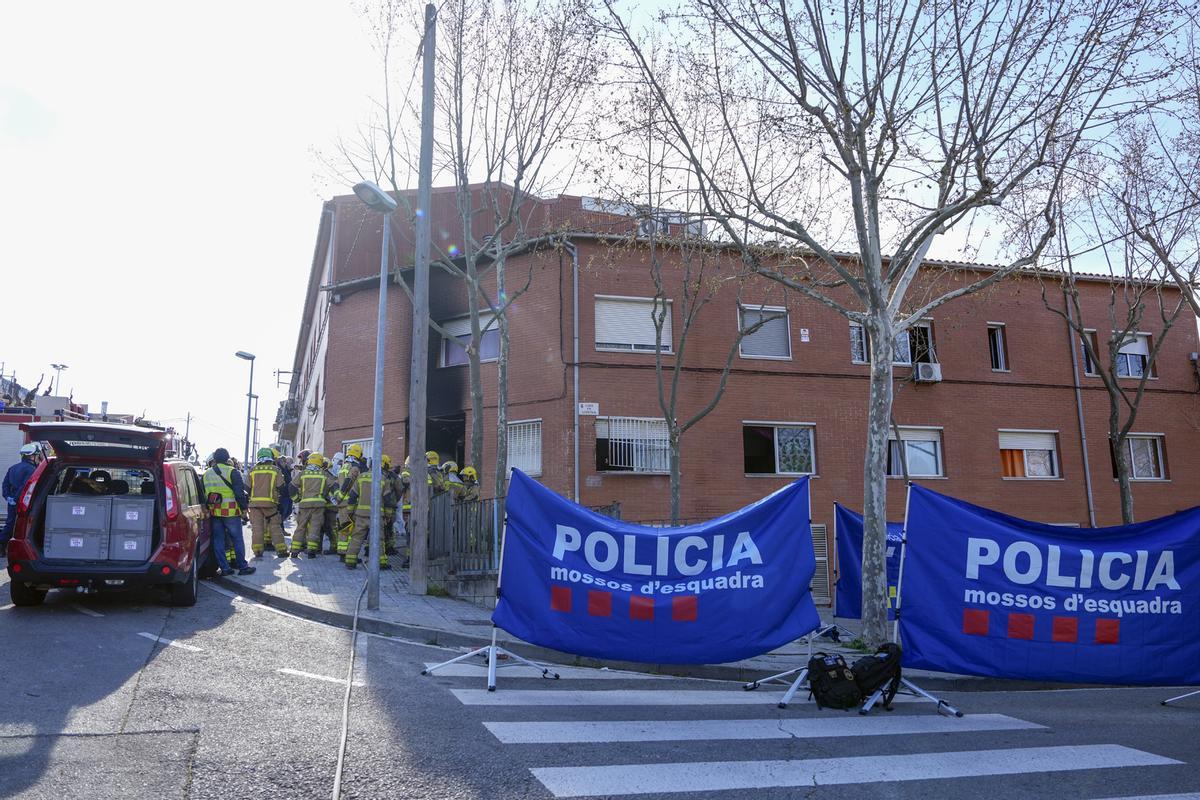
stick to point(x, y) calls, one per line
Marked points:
point(769, 340)
point(1024, 440)
point(916, 434)
point(630, 322)
point(525, 447)
point(462, 327)
point(1138, 345)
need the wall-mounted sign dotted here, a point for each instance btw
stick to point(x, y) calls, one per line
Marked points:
point(804, 334)
point(589, 409)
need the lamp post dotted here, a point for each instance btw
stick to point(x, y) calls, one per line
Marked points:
point(242, 354)
point(58, 368)
point(377, 200)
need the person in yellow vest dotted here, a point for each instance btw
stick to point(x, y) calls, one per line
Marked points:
point(226, 499)
point(329, 524)
point(450, 478)
point(361, 496)
point(470, 485)
point(311, 487)
point(437, 483)
point(392, 483)
point(352, 467)
point(266, 484)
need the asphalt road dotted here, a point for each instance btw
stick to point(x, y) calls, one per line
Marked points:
point(123, 697)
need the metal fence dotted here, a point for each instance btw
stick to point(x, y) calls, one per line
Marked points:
point(467, 534)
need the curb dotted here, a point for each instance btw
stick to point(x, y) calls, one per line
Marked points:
point(722, 672)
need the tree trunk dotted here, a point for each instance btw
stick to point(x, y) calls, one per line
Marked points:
point(674, 442)
point(1120, 455)
point(502, 385)
point(874, 557)
point(474, 357)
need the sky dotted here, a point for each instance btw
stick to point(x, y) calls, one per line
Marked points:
point(160, 193)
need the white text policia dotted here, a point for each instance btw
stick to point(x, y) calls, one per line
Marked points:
point(603, 552)
point(1024, 564)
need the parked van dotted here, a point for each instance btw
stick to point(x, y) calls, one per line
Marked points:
point(108, 512)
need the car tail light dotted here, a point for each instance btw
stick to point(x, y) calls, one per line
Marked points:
point(166, 570)
point(26, 498)
point(172, 498)
point(16, 568)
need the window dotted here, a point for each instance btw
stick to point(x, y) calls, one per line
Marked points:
point(525, 446)
point(367, 446)
point(777, 449)
point(772, 340)
point(922, 452)
point(913, 346)
point(997, 347)
point(1133, 359)
point(632, 444)
point(1145, 454)
point(1090, 367)
point(1029, 454)
point(455, 352)
point(627, 323)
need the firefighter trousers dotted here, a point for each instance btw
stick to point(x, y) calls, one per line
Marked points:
point(266, 529)
point(362, 527)
point(345, 529)
point(307, 535)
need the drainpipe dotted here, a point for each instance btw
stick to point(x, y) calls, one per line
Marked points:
point(570, 248)
point(1087, 470)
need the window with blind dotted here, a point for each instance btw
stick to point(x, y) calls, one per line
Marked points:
point(921, 449)
point(778, 449)
point(627, 323)
point(1029, 454)
point(632, 444)
point(772, 339)
point(1145, 454)
point(525, 446)
point(367, 445)
point(1133, 359)
point(454, 351)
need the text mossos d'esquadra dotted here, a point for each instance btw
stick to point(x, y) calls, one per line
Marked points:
point(690, 556)
point(1025, 564)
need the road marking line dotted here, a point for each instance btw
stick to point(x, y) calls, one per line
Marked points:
point(721, 729)
point(87, 611)
point(707, 776)
point(312, 675)
point(360, 661)
point(518, 670)
point(1186, 796)
point(626, 697)
point(170, 642)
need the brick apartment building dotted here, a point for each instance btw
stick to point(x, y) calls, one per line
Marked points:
point(1001, 428)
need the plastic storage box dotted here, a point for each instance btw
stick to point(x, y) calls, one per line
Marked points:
point(131, 528)
point(77, 513)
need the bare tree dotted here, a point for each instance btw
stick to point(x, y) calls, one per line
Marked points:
point(927, 118)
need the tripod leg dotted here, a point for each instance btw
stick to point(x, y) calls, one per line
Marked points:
point(795, 687)
point(463, 657)
point(870, 702)
point(943, 708)
point(1181, 697)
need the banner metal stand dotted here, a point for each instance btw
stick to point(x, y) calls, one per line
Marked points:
point(1181, 697)
point(943, 708)
point(493, 652)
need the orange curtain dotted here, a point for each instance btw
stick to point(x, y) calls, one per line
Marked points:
point(1012, 463)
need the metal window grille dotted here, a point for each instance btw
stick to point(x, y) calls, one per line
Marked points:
point(525, 446)
point(636, 443)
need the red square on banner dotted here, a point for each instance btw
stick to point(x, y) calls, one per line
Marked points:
point(683, 609)
point(1020, 626)
point(641, 608)
point(1108, 631)
point(599, 603)
point(1065, 629)
point(975, 621)
point(560, 598)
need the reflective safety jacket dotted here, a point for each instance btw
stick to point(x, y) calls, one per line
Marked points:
point(313, 486)
point(218, 480)
point(347, 476)
point(266, 482)
point(361, 494)
point(332, 496)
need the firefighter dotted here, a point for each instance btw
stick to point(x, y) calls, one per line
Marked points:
point(361, 496)
point(435, 480)
point(329, 524)
point(312, 487)
point(352, 467)
point(450, 478)
point(266, 485)
point(392, 482)
point(470, 485)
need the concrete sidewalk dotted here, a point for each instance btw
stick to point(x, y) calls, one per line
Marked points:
point(323, 589)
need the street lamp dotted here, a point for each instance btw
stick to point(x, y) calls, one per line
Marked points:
point(242, 354)
point(58, 368)
point(378, 200)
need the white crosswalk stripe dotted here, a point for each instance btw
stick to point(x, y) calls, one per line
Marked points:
point(630, 773)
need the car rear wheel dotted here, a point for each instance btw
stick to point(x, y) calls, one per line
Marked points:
point(25, 595)
point(184, 594)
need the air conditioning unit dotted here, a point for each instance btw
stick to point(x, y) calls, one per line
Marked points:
point(652, 227)
point(928, 373)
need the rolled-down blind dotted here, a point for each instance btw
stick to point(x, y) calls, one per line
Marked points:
point(629, 322)
point(1139, 345)
point(1024, 440)
point(916, 434)
point(769, 340)
point(462, 327)
point(820, 588)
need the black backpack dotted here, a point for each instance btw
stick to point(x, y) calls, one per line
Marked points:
point(879, 671)
point(831, 683)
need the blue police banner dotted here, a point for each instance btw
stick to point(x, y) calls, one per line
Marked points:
point(848, 528)
point(1003, 597)
point(723, 590)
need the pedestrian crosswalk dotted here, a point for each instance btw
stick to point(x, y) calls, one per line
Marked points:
point(606, 737)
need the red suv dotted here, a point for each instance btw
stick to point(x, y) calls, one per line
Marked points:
point(106, 512)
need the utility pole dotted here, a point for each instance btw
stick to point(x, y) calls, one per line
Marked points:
point(418, 536)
